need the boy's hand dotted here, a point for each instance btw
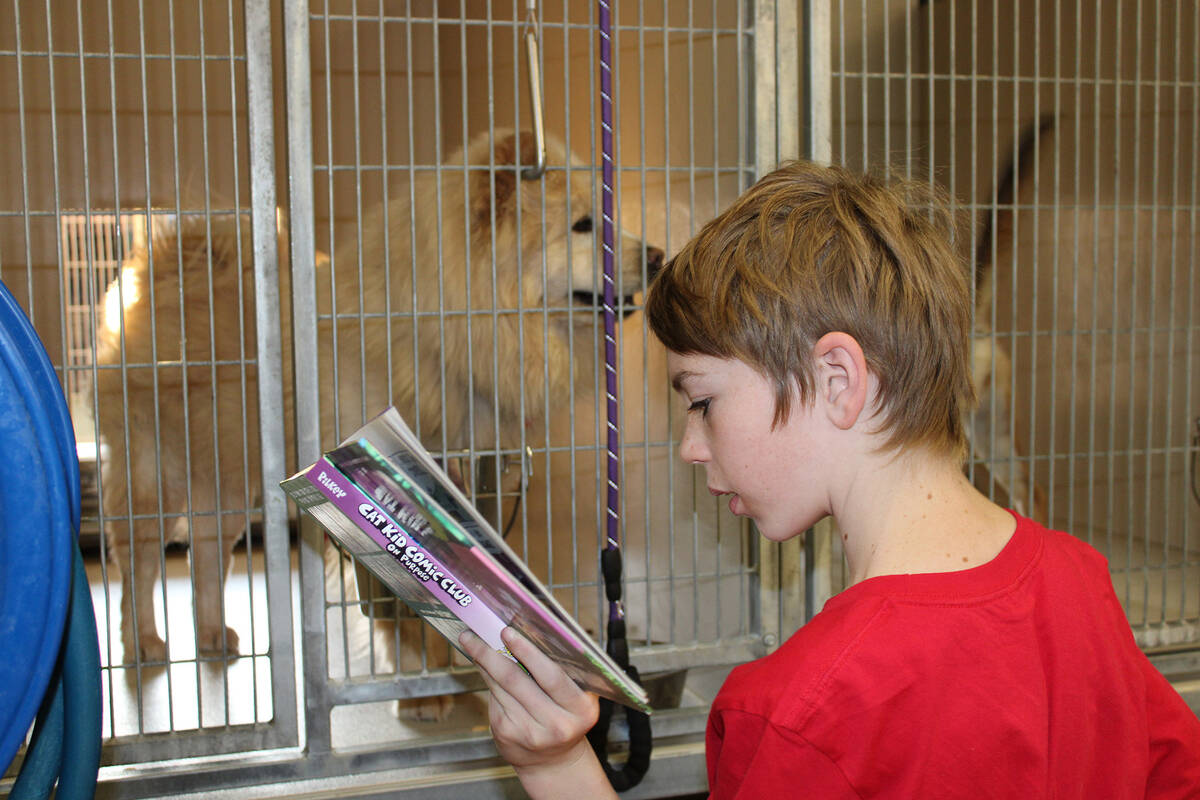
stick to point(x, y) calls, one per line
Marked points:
point(540, 720)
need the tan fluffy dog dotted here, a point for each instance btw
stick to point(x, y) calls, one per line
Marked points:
point(177, 413)
point(505, 281)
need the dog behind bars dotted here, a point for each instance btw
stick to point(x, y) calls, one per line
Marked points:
point(487, 300)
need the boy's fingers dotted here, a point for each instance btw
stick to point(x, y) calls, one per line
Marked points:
point(522, 713)
point(473, 645)
point(498, 670)
point(545, 683)
point(495, 669)
point(493, 665)
point(548, 674)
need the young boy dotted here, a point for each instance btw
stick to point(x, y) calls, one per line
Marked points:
point(819, 331)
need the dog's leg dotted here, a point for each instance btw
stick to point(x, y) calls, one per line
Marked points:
point(135, 550)
point(412, 634)
point(137, 591)
point(211, 557)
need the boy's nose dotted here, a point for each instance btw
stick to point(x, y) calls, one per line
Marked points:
point(691, 448)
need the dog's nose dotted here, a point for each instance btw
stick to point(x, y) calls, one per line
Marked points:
point(654, 261)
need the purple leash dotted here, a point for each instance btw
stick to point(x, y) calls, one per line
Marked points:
point(640, 740)
point(612, 518)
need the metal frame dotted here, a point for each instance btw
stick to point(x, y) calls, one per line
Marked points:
point(68, 56)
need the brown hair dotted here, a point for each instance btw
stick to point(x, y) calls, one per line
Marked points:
point(809, 250)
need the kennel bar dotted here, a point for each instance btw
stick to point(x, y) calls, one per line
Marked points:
point(298, 102)
point(265, 221)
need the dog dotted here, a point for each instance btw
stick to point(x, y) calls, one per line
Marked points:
point(991, 423)
point(178, 431)
point(482, 346)
point(471, 309)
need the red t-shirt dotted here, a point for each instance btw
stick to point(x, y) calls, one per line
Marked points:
point(1016, 679)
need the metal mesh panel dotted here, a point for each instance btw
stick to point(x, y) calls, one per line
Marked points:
point(128, 200)
point(162, 114)
point(1066, 134)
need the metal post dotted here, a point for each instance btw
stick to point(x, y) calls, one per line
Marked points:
point(304, 341)
point(260, 109)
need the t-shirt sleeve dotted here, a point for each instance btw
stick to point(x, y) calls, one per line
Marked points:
point(1174, 740)
point(749, 757)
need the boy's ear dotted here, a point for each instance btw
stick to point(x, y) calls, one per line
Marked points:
point(842, 380)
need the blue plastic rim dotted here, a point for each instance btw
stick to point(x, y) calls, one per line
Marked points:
point(38, 517)
point(29, 346)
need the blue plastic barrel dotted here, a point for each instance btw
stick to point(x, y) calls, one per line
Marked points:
point(49, 655)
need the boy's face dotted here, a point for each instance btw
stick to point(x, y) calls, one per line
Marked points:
point(771, 475)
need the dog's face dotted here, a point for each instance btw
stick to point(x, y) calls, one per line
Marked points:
point(556, 222)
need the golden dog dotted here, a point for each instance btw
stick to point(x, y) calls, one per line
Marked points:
point(177, 413)
point(472, 307)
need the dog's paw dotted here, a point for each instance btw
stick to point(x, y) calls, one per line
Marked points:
point(150, 647)
point(209, 642)
point(425, 709)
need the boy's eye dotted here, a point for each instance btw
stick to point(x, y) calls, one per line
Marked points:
point(583, 224)
point(701, 406)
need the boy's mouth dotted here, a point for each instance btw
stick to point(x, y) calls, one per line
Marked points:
point(736, 507)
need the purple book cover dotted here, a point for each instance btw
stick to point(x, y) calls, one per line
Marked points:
point(400, 537)
point(391, 507)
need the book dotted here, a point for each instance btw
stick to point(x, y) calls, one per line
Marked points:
point(387, 502)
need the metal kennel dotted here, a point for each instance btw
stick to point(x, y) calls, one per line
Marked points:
point(126, 119)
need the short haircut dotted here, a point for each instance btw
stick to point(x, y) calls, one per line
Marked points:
point(809, 250)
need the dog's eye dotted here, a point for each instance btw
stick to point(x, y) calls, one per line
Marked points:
point(583, 224)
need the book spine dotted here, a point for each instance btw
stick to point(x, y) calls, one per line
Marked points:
point(397, 535)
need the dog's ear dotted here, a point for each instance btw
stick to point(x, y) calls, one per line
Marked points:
point(508, 173)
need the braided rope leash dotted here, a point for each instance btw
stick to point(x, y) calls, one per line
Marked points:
point(640, 740)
